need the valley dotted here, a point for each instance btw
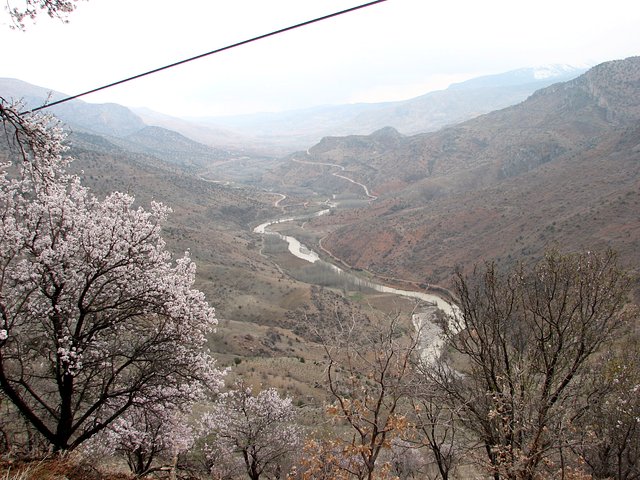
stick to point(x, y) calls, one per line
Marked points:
point(559, 170)
point(299, 243)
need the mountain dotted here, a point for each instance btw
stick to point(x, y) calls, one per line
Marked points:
point(212, 136)
point(119, 125)
point(560, 169)
point(522, 76)
point(172, 147)
point(459, 102)
point(278, 134)
point(103, 119)
point(552, 122)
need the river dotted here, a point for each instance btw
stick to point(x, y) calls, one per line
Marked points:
point(295, 247)
point(431, 334)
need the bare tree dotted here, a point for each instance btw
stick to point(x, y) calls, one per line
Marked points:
point(609, 426)
point(435, 427)
point(369, 374)
point(523, 341)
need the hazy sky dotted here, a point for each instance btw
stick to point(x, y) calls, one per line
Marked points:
point(394, 50)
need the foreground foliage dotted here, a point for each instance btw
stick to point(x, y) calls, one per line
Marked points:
point(368, 375)
point(527, 339)
point(102, 338)
point(254, 433)
point(95, 318)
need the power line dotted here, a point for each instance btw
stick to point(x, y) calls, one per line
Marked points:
point(197, 57)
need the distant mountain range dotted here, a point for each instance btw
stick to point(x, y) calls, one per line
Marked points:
point(116, 124)
point(426, 113)
point(103, 119)
point(559, 169)
point(276, 134)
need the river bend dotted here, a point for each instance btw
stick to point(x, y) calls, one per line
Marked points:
point(431, 341)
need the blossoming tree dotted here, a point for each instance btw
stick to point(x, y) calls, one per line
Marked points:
point(251, 432)
point(30, 9)
point(95, 317)
point(149, 439)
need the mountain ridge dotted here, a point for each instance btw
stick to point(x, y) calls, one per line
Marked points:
point(427, 112)
point(274, 134)
point(561, 168)
point(116, 123)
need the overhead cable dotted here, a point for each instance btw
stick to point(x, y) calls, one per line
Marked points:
point(197, 57)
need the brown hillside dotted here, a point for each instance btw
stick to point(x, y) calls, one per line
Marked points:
point(558, 120)
point(561, 169)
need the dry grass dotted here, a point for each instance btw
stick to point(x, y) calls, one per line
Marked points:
point(66, 467)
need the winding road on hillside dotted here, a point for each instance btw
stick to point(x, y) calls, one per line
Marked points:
point(335, 174)
point(277, 202)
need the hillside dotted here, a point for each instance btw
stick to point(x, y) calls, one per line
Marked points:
point(213, 136)
point(301, 128)
point(560, 169)
point(122, 126)
point(212, 217)
point(101, 119)
point(269, 318)
point(554, 121)
point(465, 100)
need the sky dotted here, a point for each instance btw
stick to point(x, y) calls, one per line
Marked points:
point(394, 50)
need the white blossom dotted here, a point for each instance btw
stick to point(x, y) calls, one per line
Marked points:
point(100, 317)
point(254, 432)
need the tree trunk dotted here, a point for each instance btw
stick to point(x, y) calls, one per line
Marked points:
point(65, 422)
point(173, 473)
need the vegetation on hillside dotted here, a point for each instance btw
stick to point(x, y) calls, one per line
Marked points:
point(103, 352)
point(111, 364)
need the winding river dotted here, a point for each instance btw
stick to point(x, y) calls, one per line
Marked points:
point(431, 340)
point(295, 247)
point(431, 337)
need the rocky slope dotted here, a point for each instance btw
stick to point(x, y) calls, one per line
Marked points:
point(561, 169)
point(553, 122)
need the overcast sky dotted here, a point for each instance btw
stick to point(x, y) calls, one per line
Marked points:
point(394, 50)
